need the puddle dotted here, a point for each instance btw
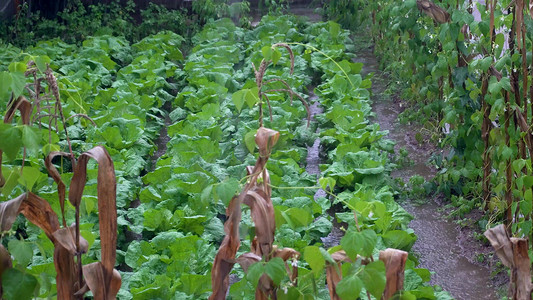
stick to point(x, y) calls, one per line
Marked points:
point(438, 239)
point(312, 167)
point(163, 138)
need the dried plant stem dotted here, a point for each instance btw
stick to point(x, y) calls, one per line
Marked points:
point(259, 80)
point(78, 251)
point(82, 116)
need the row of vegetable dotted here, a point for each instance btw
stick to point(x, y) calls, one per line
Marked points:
point(171, 211)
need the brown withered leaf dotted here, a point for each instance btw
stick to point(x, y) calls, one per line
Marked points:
point(23, 105)
point(39, 212)
point(262, 212)
point(265, 288)
point(224, 260)
point(84, 289)
point(334, 274)
point(66, 237)
point(499, 239)
point(395, 266)
point(61, 188)
point(67, 271)
point(9, 211)
point(434, 11)
point(247, 259)
point(266, 139)
point(94, 275)
point(341, 256)
point(286, 254)
point(107, 210)
point(513, 252)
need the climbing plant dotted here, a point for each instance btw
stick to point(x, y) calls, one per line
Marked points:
point(472, 76)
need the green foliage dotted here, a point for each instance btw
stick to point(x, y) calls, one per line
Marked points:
point(345, 12)
point(78, 22)
point(443, 79)
point(170, 210)
point(157, 18)
point(273, 6)
point(17, 284)
point(209, 10)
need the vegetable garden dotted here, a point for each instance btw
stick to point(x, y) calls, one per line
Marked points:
point(184, 127)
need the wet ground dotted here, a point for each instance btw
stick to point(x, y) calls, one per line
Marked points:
point(163, 138)
point(441, 245)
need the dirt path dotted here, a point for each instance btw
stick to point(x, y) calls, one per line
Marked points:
point(439, 245)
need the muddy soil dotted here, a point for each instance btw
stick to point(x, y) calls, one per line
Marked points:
point(312, 167)
point(163, 138)
point(442, 247)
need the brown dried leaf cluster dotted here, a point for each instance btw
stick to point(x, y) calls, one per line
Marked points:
point(333, 272)
point(256, 194)
point(394, 260)
point(100, 277)
point(513, 252)
point(437, 13)
point(73, 279)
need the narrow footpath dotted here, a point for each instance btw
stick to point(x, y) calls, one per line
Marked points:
point(438, 245)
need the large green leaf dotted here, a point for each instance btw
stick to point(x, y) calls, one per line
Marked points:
point(275, 269)
point(314, 258)
point(362, 243)
point(22, 251)
point(374, 279)
point(349, 287)
point(10, 140)
point(18, 285)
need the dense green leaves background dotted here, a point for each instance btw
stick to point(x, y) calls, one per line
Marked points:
point(171, 210)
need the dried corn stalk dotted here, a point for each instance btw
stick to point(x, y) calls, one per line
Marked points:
point(513, 254)
point(394, 260)
point(73, 279)
point(394, 264)
point(256, 194)
point(100, 277)
point(333, 272)
point(259, 76)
